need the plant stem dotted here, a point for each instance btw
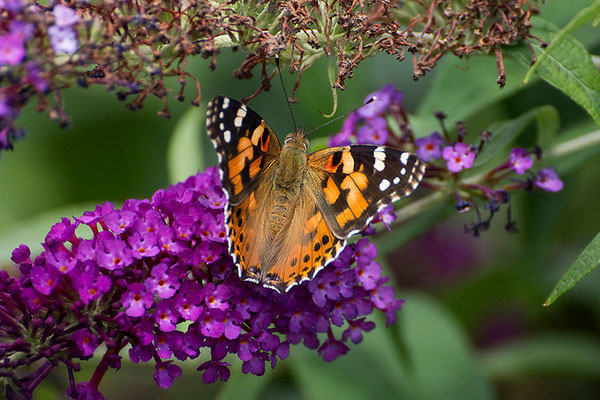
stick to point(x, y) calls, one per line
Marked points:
point(573, 145)
point(419, 206)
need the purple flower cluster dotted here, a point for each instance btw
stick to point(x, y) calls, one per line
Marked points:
point(155, 274)
point(461, 156)
point(369, 124)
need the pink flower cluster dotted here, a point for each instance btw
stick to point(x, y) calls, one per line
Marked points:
point(155, 274)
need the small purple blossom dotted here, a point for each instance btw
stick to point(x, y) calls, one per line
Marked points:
point(373, 132)
point(214, 370)
point(11, 5)
point(165, 374)
point(369, 123)
point(458, 157)
point(332, 349)
point(12, 49)
point(163, 282)
point(112, 252)
point(348, 129)
point(166, 317)
point(384, 98)
point(136, 300)
point(44, 279)
point(22, 29)
point(87, 391)
point(548, 180)
point(520, 160)
point(430, 147)
point(34, 77)
point(86, 342)
point(356, 329)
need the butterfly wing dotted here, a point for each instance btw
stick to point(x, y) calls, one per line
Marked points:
point(248, 151)
point(302, 248)
point(246, 146)
point(356, 182)
point(248, 232)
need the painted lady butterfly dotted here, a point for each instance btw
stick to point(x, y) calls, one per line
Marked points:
point(289, 214)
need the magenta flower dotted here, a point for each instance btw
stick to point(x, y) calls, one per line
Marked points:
point(385, 97)
point(86, 342)
point(373, 132)
point(458, 157)
point(182, 275)
point(519, 160)
point(44, 279)
point(430, 147)
point(87, 391)
point(165, 373)
point(34, 77)
point(22, 29)
point(12, 49)
point(348, 129)
point(11, 5)
point(548, 180)
point(136, 300)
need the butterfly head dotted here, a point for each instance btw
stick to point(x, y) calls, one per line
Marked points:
point(296, 140)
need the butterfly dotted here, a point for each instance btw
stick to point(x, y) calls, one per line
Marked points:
point(290, 213)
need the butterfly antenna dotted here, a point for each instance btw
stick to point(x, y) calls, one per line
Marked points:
point(286, 96)
point(372, 99)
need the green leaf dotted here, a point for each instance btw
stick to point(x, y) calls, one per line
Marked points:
point(444, 366)
point(184, 152)
point(583, 265)
point(574, 147)
point(505, 132)
point(569, 67)
point(462, 89)
point(548, 354)
point(583, 17)
point(371, 369)
point(547, 124)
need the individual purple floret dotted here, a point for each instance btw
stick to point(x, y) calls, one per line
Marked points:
point(548, 180)
point(430, 147)
point(368, 124)
point(156, 275)
point(458, 157)
point(520, 160)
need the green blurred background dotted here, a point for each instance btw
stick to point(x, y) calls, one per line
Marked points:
point(473, 326)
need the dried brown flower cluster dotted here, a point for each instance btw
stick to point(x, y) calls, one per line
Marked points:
point(133, 46)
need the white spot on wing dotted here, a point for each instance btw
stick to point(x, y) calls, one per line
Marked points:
point(227, 136)
point(379, 154)
point(225, 103)
point(238, 122)
point(404, 158)
point(384, 184)
point(403, 171)
point(396, 180)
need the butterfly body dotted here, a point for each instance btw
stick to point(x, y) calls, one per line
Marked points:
point(290, 213)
